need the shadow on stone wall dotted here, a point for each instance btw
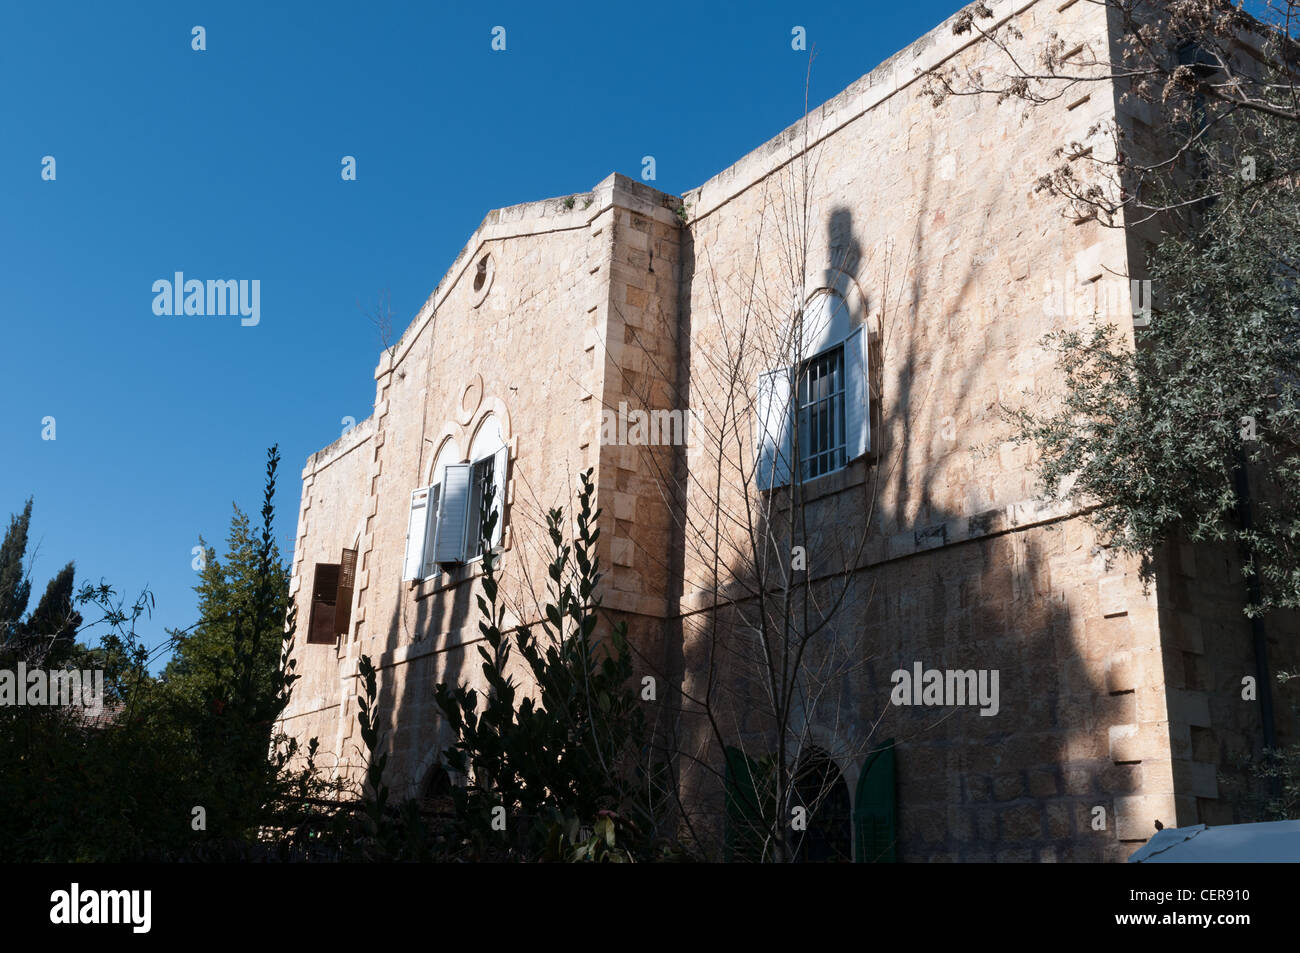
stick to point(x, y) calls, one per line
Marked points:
point(946, 589)
point(938, 585)
point(411, 719)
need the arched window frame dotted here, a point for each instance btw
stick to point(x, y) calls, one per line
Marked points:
point(444, 527)
point(488, 460)
point(424, 517)
point(818, 408)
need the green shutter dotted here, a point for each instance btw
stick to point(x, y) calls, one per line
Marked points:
point(875, 809)
point(744, 832)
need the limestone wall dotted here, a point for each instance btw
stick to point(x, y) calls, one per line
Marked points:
point(531, 343)
point(927, 220)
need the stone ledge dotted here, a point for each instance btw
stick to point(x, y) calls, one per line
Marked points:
point(635, 603)
point(345, 444)
point(1012, 518)
point(865, 94)
point(529, 219)
point(1135, 816)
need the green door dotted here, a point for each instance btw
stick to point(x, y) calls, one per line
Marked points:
point(875, 809)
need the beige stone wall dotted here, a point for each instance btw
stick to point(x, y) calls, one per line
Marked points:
point(638, 470)
point(570, 284)
point(1216, 725)
point(927, 219)
point(331, 518)
point(1207, 643)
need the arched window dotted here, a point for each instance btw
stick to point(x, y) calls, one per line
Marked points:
point(813, 416)
point(423, 520)
point(488, 457)
point(447, 516)
point(820, 790)
point(448, 453)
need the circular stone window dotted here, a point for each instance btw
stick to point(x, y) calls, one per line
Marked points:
point(482, 281)
point(470, 399)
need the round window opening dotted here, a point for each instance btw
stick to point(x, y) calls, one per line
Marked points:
point(482, 282)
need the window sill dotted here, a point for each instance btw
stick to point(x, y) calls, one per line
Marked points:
point(450, 578)
point(446, 579)
point(828, 484)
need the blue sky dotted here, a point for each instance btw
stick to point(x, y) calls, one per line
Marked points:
point(225, 163)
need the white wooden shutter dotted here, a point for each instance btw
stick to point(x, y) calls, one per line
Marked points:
point(772, 418)
point(857, 396)
point(415, 533)
point(499, 464)
point(431, 531)
point(453, 508)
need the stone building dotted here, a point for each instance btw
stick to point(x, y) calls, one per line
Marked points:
point(924, 268)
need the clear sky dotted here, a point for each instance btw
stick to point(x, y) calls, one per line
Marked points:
point(226, 163)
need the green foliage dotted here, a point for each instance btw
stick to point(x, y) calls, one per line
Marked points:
point(369, 828)
point(1278, 772)
point(54, 622)
point(567, 761)
point(46, 637)
point(204, 659)
point(1161, 437)
point(15, 587)
point(569, 842)
point(375, 763)
point(126, 787)
point(572, 757)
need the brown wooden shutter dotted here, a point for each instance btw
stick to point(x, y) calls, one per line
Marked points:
point(324, 592)
point(343, 599)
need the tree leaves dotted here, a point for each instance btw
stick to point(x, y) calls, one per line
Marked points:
point(570, 749)
point(1157, 436)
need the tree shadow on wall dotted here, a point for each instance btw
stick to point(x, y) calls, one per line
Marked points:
point(919, 568)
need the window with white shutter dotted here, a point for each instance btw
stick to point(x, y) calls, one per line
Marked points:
point(445, 519)
point(821, 414)
point(499, 477)
point(820, 408)
point(489, 473)
point(453, 510)
point(416, 530)
point(480, 482)
point(857, 395)
point(489, 456)
point(346, 589)
point(431, 532)
point(773, 422)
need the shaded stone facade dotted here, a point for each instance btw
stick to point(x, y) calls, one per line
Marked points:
point(926, 221)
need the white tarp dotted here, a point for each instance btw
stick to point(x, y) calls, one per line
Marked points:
point(1272, 842)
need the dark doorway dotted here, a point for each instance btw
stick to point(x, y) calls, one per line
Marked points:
point(820, 789)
